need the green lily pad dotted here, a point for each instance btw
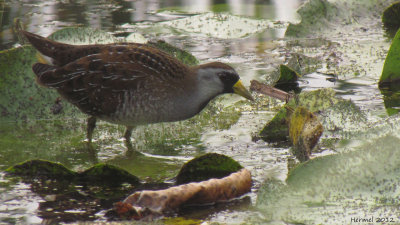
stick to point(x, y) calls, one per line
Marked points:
point(211, 165)
point(326, 17)
point(83, 36)
point(288, 79)
point(364, 179)
point(314, 16)
point(276, 130)
point(20, 96)
point(178, 53)
point(219, 25)
point(390, 77)
point(335, 113)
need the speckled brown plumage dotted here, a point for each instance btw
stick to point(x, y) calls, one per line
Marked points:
point(129, 83)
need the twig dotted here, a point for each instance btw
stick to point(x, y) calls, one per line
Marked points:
point(270, 91)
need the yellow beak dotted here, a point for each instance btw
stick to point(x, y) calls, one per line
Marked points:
point(239, 89)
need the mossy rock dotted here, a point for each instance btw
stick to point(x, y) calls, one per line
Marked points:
point(41, 169)
point(205, 167)
point(100, 174)
point(391, 18)
point(108, 174)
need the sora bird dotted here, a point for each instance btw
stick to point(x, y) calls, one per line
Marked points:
point(130, 84)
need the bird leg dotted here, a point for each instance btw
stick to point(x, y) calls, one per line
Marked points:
point(127, 136)
point(91, 124)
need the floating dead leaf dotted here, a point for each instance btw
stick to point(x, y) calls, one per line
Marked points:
point(304, 131)
point(150, 204)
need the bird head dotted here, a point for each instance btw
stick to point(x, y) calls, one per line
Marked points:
point(219, 78)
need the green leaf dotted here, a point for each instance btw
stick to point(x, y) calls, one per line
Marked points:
point(82, 36)
point(391, 69)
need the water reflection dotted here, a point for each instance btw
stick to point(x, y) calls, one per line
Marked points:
point(44, 17)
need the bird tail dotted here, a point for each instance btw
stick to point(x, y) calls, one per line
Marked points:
point(43, 72)
point(40, 68)
point(48, 48)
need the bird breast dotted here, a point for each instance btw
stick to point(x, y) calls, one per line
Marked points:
point(151, 103)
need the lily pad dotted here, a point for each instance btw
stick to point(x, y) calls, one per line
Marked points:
point(211, 165)
point(364, 179)
point(332, 17)
point(180, 54)
point(335, 114)
point(20, 96)
point(390, 77)
point(315, 15)
point(83, 36)
point(219, 25)
point(288, 79)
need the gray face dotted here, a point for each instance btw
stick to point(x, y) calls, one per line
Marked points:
point(214, 81)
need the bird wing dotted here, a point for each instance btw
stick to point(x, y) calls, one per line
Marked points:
point(97, 83)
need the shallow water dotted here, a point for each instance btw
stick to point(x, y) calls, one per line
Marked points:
point(217, 129)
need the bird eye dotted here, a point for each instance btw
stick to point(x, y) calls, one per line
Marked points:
point(228, 77)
